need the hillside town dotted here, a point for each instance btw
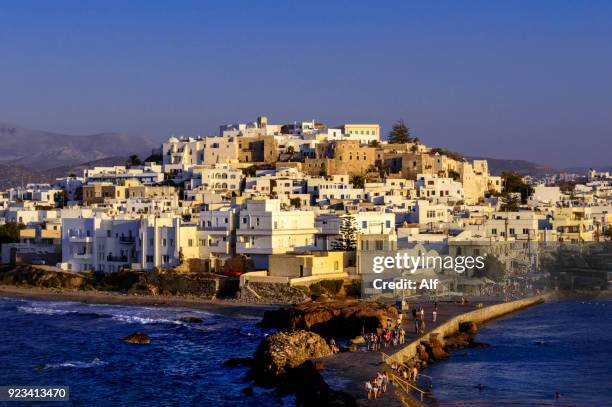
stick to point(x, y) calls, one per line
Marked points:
point(295, 204)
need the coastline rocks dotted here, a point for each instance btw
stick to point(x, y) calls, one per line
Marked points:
point(311, 389)
point(137, 338)
point(168, 282)
point(277, 354)
point(343, 318)
point(42, 276)
point(435, 349)
point(191, 320)
point(468, 327)
point(272, 293)
point(236, 362)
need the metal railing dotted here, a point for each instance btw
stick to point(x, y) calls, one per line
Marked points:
point(405, 385)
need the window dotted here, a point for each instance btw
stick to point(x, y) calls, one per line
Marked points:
point(164, 242)
point(511, 231)
point(364, 224)
point(494, 231)
point(388, 224)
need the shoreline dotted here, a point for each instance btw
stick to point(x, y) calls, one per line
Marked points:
point(222, 307)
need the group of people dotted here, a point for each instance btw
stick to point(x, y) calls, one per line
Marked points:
point(377, 386)
point(406, 372)
point(376, 342)
point(418, 315)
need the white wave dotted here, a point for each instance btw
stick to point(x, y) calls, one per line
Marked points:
point(76, 364)
point(143, 320)
point(43, 310)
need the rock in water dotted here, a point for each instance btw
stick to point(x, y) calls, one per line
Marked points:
point(138, 338)
point(191, 320)
point(468, 327)
point(345, 318)
point(237, 362)
point(277, 354)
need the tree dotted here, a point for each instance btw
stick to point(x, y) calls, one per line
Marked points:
point(454, 175)
point(323, 171)
point(347, 241)
point(9, 232)
point(400, 133)
point(133, 161)
point(296, 202)
point(608, 233)
point(510, 202)
point(450, 154)
point(513, 183)
point(493, 269)
point(251, 170)
point(358, 181)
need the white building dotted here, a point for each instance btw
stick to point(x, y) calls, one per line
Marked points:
point(265, 229)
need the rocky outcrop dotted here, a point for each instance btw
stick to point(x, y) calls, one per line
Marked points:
point(238, 362)
point(169, 282)
point(43, 276)
point(137, 338)
point(311, 390)
point(433, 348)
point(342, 318)
point(272, 293)
point(281, 352)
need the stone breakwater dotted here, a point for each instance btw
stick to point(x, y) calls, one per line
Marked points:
point(456, 333)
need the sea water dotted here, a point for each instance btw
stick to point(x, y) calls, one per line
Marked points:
point(47, 343)
point(560, 346)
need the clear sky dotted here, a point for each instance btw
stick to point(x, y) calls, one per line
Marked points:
point(508, 79)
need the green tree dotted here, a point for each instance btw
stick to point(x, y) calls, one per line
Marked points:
point(493, 269)
point(251, 170)
point(347, 241)
point(510, 202)
point(323, 171)
point(9, 232)
point(133, 161)
point(400, 133)
point(454, 175)
point(296, 202)
point(358, 181)
point(608, 233)
point(450, 154)
point(513, 183)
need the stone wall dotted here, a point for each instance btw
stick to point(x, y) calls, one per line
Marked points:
point(478, 316)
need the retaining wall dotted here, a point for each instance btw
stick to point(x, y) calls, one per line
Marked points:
point(478, 316)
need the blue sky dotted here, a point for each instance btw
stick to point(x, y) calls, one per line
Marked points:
point(515, 79)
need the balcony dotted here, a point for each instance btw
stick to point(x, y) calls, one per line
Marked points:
point(127, 239)
point(82, 255)
point(80, 239)
point(117, 259)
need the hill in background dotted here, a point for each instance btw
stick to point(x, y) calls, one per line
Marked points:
point(42, 150)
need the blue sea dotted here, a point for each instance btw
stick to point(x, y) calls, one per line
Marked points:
point(559, 346)
point(79, 345)
point(563, 346)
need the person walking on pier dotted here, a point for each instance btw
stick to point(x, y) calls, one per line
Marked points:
point(369, 389)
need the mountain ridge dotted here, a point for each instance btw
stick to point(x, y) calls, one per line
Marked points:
point(42, 150)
